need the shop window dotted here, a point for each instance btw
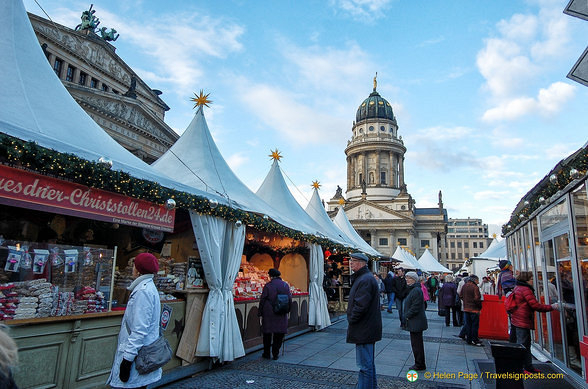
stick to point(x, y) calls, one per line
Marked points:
point(57, 65)
point(69, 75)
point(402, 241)
point(383, 241)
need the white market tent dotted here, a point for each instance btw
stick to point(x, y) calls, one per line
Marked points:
point(35, 106)
point(496, 250)
point(407, 261)
point(431, 265)
point(317, 212)
point(344, 225)
point(275, 192)
point(488, 259)
point(196, 161)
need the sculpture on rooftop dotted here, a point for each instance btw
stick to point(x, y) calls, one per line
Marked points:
point(89, 21)
point(108, 36)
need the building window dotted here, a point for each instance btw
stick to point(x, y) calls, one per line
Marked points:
point(475, 245)
point(402, 241)
point(459, 256)
point(383, 178)
point(93, 83)
point(83, 78)
point(57, 66)
point(481, 245)
point(467, 255)
point(382, 128)
point(425, 243)
point(371, 128)
point(69, 75)
point(458, 245)
point(115, 91)
point(383, 241)
point(466, 245)
point(452, 245)
point(446, 255)
point(105, 87)
point(452, 255)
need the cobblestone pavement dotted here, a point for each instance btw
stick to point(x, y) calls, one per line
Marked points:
point(323, 359)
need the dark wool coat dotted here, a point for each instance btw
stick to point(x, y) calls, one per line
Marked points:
point(363, 309)
point(415, 319)
point(270, 322)
point(447, 294)
point(399, 287)
point(524, 296)
point(388, 283)
point(471, 297)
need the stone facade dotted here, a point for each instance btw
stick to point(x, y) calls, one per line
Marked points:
point(107, 88)
point(377, 202)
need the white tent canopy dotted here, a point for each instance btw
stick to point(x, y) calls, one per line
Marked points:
point(406, 260)
point(196, 161)
point(496, 250)
point(317, 212)
point(430, 264)
point(35, 106)
point(344, 225)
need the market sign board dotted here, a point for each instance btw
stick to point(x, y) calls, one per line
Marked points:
point(26, 189)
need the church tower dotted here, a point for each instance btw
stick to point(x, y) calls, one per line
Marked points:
point(375, 153)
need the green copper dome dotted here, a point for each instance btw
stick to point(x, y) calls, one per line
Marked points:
point(374, 107)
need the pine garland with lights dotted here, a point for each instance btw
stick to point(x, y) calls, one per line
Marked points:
point(30, 156)
point(558, 178)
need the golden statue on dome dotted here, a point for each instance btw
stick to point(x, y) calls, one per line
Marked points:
point(375, 81)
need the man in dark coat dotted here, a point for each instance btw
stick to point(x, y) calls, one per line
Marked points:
point(472, 306)
point(400, 290)
point(273, 324)
point(415, 320)
point(364, 319)
point(389, 291)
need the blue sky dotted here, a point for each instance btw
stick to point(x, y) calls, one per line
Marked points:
point(479, 88)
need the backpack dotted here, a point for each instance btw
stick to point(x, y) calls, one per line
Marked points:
point(433, 282)
point(510, 303)
point(508, 284)
point(281, 305)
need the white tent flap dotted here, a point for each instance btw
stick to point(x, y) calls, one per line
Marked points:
point(318, 314)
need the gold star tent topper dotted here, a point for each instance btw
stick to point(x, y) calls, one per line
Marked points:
point(201, 100)
point(341, 201)
point(315, 184)
point(275, 155)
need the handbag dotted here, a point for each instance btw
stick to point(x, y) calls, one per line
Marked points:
point(152, 356)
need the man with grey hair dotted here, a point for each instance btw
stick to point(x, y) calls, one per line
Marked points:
point(364, 319)
point(415, 319)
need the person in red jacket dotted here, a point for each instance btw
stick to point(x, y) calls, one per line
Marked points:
point(522, 317)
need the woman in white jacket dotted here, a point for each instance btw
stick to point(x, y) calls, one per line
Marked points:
point(139, 327)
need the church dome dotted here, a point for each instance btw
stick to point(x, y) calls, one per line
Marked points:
point(374, 107)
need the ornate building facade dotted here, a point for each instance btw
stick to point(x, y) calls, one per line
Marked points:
point(105, 86)
point(377, 202)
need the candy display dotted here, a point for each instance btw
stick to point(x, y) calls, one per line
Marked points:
point(250, 281)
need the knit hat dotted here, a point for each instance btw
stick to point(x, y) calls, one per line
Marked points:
point(503, 264)
point(146, 263)
point(273, 273)
point(412, 275)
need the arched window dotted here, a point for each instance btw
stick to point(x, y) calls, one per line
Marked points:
point(383, 178)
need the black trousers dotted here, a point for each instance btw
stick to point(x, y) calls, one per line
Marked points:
point(275, 346)
point(418, 348)
point(449, 310)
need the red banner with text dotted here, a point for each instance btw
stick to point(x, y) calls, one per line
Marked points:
point(26, 189)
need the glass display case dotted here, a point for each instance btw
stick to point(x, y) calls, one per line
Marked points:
point(40, 280)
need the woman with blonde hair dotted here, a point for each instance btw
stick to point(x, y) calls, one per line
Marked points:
point(8, 359)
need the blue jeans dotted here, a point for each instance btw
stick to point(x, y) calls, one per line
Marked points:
point(390, 300)
point(365, 360)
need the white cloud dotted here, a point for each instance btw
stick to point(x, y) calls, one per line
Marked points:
point(236, 160)
point(503, 139)
point(559, 151)
point(440, 133)
point(362, 10)
point(548, 102)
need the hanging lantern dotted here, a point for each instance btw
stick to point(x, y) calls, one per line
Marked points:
point(213, 203)
point(553, 178)
point(574, 173)
point(265, 217)
point(238, 223)
point(541, 199)
point(107, 162)
point(170, 204)
point(526, 203)
point(509, 226)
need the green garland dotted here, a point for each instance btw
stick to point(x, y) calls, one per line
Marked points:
point(537, 196)
point(274, 251)
point(30, 156)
